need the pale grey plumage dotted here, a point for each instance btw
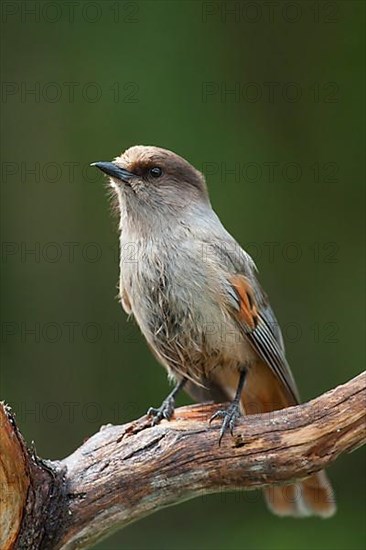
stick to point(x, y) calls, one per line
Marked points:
point(184, 258)
point(195, 295)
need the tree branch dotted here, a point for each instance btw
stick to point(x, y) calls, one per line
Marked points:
point(124, 473)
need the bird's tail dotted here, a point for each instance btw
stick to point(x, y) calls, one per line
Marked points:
point(311, 497)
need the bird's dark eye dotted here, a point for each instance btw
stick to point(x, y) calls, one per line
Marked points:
point(155, 172)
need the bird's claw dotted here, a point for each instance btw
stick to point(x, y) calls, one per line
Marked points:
point(165, 410)
point(230, 416)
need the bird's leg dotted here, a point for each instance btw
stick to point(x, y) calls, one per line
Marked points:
point(166, 409)
point(232, 413)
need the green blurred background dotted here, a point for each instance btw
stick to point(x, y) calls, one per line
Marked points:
point(267, 99)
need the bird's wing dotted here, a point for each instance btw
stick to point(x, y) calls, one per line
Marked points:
point(248, 306)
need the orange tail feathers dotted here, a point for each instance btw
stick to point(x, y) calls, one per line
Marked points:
point(312, 496)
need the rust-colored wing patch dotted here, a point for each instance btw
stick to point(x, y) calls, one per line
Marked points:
point(260, 334)
point(248, 311)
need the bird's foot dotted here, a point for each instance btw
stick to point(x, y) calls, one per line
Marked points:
point(165, 410)
point(230, 416)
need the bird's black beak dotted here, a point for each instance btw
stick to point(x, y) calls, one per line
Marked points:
point(114, 171)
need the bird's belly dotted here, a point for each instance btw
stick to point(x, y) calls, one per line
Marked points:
point(186, 327)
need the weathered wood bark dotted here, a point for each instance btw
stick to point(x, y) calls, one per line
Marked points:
point(123, 473)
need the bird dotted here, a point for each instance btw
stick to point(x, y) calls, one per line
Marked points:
point(194, 293)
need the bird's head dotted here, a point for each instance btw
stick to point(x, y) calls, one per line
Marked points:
point(151, 180)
